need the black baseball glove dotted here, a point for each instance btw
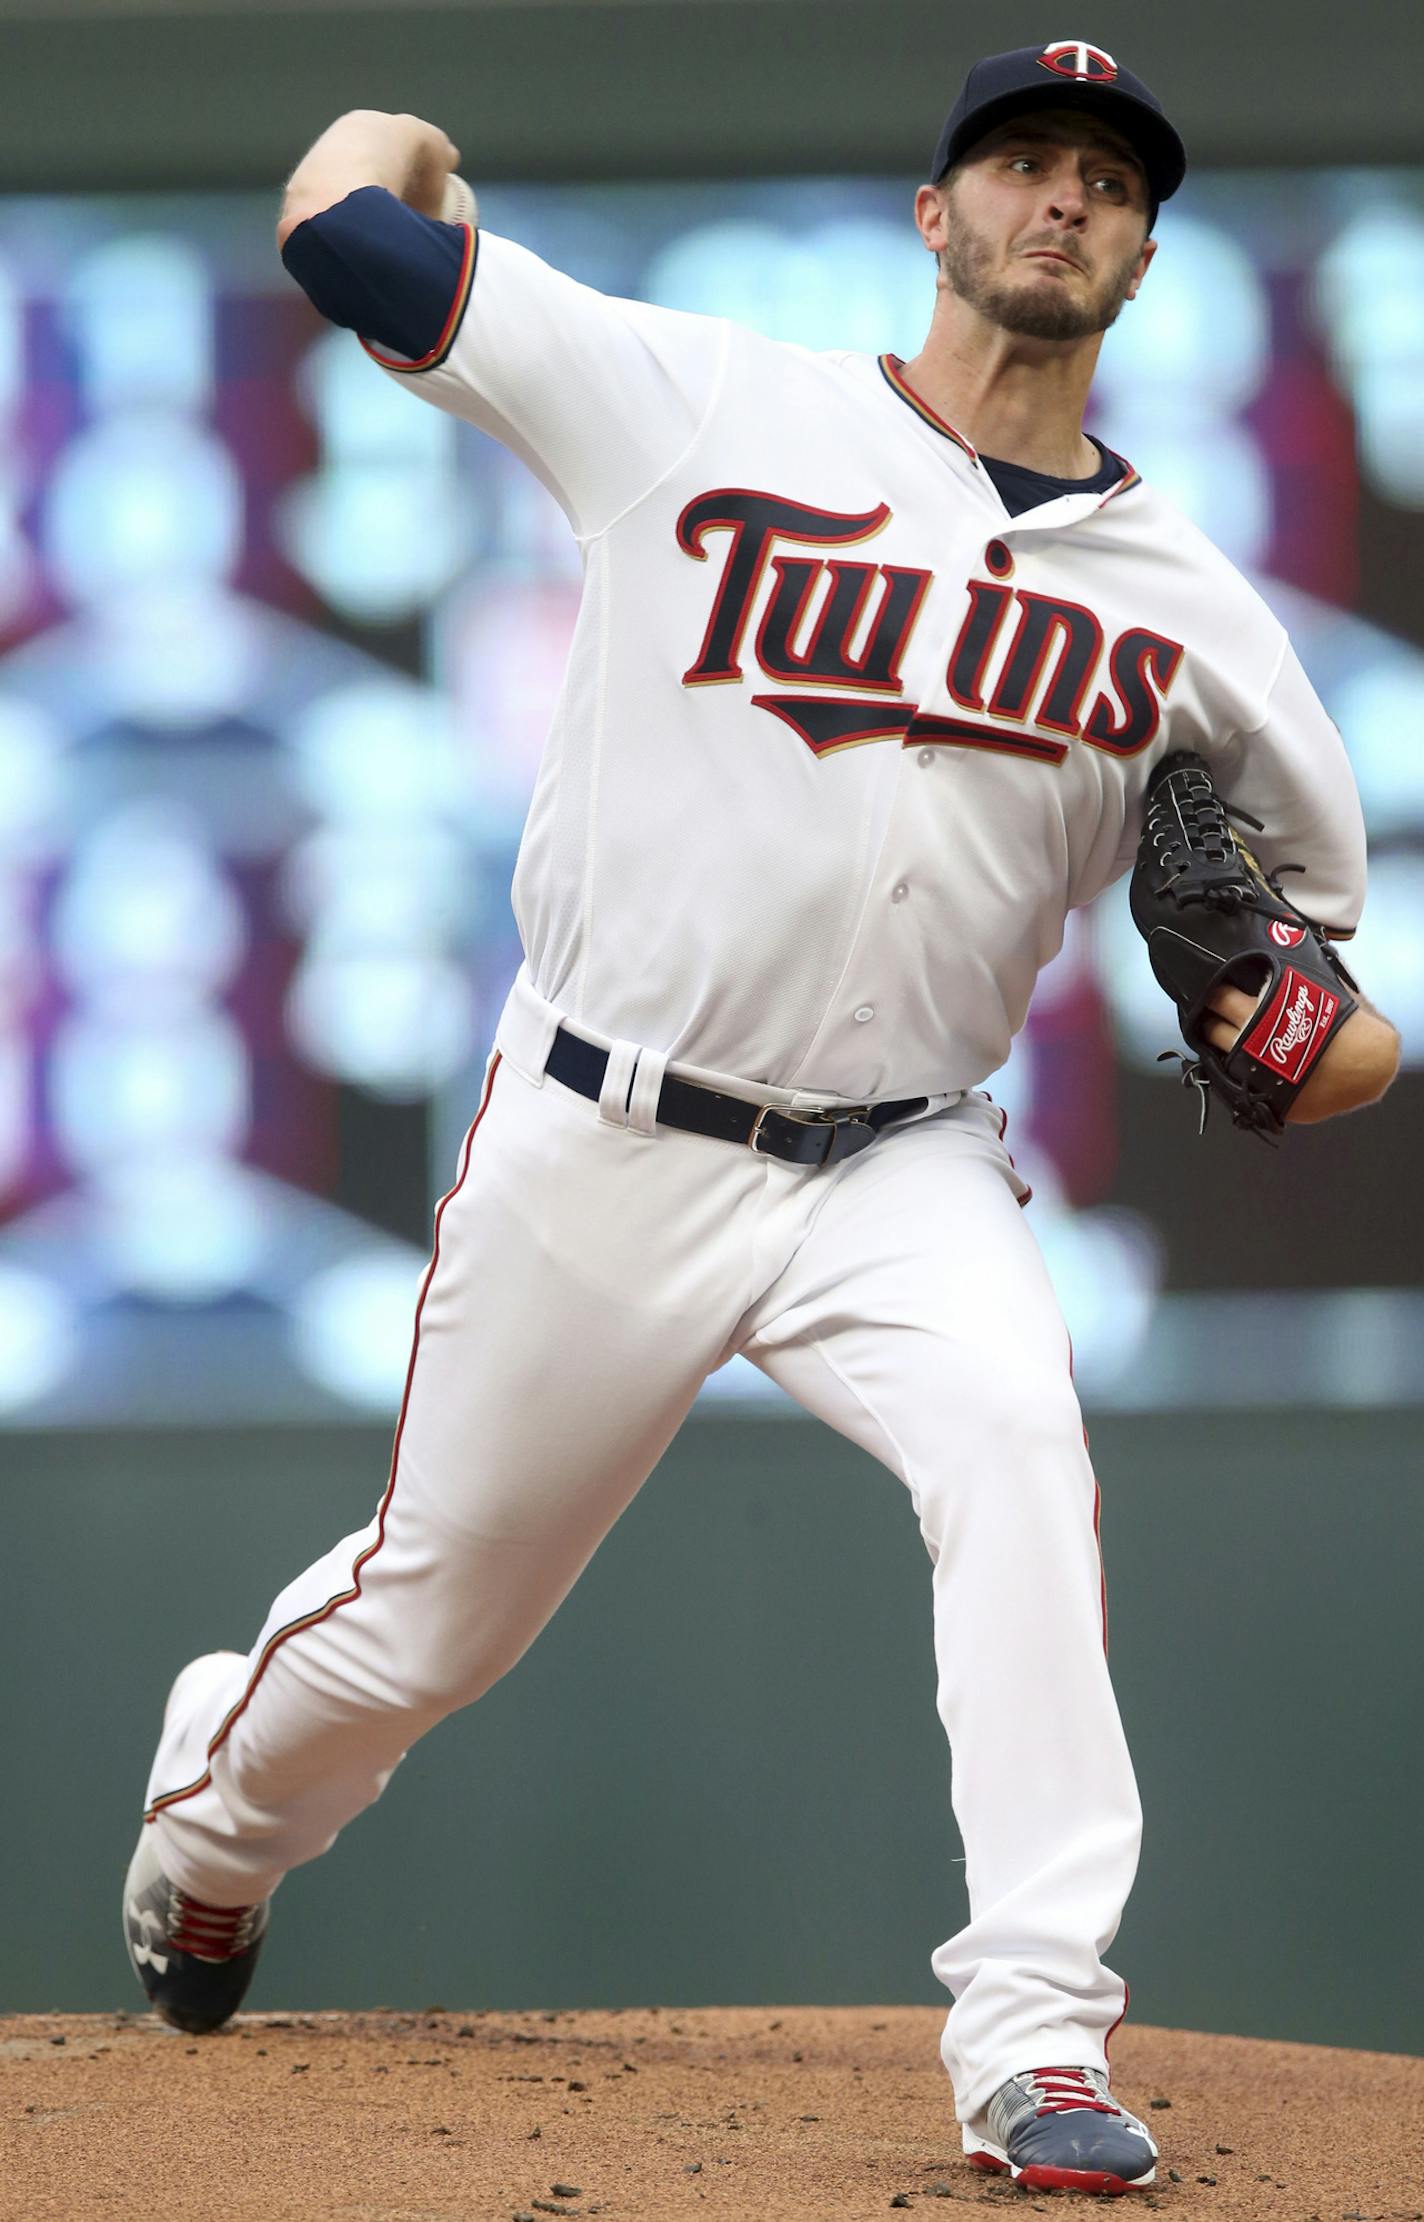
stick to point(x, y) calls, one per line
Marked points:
point(1212, 918)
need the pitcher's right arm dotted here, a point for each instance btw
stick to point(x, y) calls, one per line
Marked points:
point(598, 395)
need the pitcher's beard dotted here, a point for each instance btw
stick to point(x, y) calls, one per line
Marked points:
point(1033, 310)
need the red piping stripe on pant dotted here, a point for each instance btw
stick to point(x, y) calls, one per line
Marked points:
point(345, 1596)
point(1126, 2002)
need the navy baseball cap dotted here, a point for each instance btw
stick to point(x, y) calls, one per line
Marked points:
point(1067, 74)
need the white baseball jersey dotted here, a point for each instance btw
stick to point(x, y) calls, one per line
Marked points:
point(841, 741)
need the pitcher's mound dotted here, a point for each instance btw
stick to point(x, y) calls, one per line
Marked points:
point(767, 2114)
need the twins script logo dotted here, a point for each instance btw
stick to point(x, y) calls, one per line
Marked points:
point(1044, 653)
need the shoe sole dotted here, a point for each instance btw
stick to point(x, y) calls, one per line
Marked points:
point(1038, 2178)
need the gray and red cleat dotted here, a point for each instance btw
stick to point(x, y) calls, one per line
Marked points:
point(194, 1961)
point(1058, 2129)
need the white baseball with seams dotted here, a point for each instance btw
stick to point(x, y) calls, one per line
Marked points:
point(458, 204)
point(841, 743)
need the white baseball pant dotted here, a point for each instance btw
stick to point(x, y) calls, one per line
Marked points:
point(587, 1276)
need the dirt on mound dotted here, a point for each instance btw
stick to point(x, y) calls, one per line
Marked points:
point(770, 2115)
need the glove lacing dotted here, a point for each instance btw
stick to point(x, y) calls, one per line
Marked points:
point(1202, 818)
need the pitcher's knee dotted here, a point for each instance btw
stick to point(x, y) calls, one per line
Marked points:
point(1029, 1403)
point(445, 1619)
point(434, 1679)
point(421, 1665)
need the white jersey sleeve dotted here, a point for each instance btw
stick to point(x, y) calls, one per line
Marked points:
point(600, 397)
point(1291, 771)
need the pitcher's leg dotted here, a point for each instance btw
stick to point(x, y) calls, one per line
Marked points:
point(559, 1342)
point(918, 1319)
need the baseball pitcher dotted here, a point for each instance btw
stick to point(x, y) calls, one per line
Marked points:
point(881, 668)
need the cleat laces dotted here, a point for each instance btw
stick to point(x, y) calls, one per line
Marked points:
point(1068, 2090)
point(209, 1932)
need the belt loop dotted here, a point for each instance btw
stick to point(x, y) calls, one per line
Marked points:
point(647, 1087)
point(526, 1030)
point(618, 1083)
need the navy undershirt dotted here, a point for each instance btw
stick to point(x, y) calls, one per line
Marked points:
point(1021, 489)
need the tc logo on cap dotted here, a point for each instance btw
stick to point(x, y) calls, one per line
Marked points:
point(1071, 58)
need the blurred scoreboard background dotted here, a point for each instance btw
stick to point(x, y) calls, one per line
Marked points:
point(278, 648)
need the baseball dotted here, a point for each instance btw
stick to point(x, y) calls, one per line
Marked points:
point(459, 205)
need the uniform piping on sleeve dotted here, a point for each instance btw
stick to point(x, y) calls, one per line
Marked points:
point(320, 1613)
point(463, 289)
point(714, 396)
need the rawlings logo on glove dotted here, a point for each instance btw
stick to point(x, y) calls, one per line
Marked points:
point(1212, 918)
point(1309, 1013)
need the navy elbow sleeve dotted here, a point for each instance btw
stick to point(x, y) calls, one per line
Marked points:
point(385, 271)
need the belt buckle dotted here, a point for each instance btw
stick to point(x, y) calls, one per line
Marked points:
point(764, 1113)
point(841, 1120)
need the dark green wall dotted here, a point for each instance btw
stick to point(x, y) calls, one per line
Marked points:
point(214, 92)
point(719, 1775)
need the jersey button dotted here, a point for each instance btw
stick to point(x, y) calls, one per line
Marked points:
point(927, 755)
point(866, 1011)
point(899, 891)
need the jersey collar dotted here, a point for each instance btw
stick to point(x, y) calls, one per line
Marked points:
point(892, 370)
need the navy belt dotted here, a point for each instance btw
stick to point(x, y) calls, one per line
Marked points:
point(812, 1138)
